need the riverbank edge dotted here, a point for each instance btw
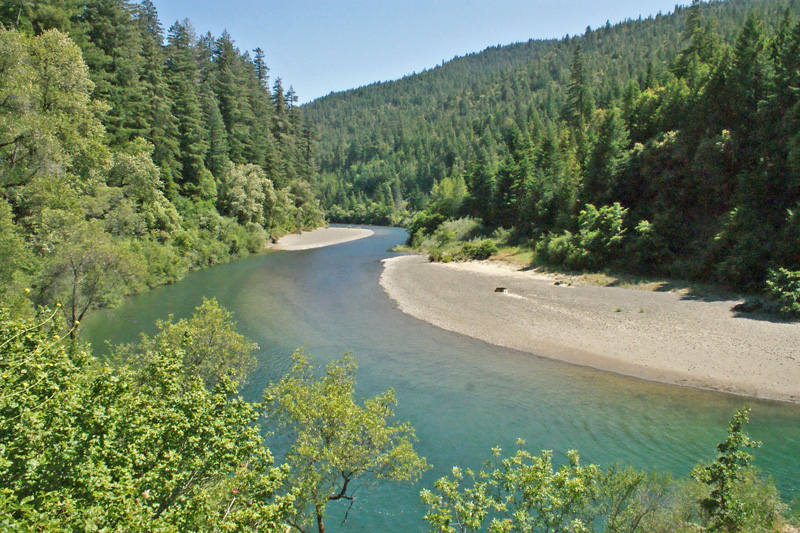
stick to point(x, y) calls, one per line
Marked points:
point(448, 313)
point(318, 238)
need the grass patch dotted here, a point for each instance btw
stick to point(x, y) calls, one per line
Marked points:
point(516, 255)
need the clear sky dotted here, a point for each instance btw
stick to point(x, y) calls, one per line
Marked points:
point(319, 46)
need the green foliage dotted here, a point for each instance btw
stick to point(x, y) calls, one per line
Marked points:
point(48, 122)
point(760, 506)
point(723, 505)
point(646, 248)
point(88, 268)
point(524, 492)
point(87, 447)
point(628, 500)
point(113, 144)
point(598, 242)
point(460, 230)
point(425, 223)
point(452, 239)
point(687, 120)
point(784, 287)
point(447, 197)
point(17, 258)
point(479, 250)
point(140, 179)
point(561, 250)
point(336, 442)
point(212, 349)
point(527, 493)
point(580, 102)
point(602, 231)
point(607, 158)
point(245, 193)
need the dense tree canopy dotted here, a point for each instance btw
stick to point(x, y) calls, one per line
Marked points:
point(128, 157)
point(85, 446)
point(157, 437)
point(687, 121)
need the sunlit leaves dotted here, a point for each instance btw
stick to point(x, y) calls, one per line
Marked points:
point(337, 443)
point(523, 492)
point(87, 447)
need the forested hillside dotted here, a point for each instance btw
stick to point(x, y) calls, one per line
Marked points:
point(128, 157)
point(668, 145)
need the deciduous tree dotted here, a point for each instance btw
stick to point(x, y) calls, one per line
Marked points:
point(336, 442)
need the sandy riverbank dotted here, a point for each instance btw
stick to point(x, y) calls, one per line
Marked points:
point(660, 336)
point(319, 237)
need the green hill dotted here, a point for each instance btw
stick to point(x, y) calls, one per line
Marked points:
point(688, 121)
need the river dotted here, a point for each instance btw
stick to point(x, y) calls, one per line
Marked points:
point(462, 396)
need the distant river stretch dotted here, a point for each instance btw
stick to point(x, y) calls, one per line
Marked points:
point(463, 396)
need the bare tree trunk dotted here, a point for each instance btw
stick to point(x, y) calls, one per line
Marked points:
point(320, 524)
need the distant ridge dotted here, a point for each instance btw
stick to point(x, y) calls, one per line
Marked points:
point(403, 136)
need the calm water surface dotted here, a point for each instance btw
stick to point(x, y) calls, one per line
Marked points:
point(463, 396)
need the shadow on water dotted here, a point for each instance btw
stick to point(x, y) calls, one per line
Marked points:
point(463, 396)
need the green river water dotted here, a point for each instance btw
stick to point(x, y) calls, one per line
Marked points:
point(463, 396)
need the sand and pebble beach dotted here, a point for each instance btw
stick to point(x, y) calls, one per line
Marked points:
point(662, 336)
point(319, 237)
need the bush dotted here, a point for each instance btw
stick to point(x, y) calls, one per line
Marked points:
point(479, 250)
point(646, 249)
point(784, 287)
point(601, 231)
point(425, 222)
point(562, 250)
point(599, 240)
point(740, 250)
point(462, 229)
point(162, 262)
point(437, 255)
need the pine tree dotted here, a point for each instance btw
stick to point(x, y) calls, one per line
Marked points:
point(307, 166)
point(196, 180)
point(695, 61)
point(281, 113)
point(162, 129)
point(114, 55)
point(580, 103)
point(749, 74)
point(217, 155)
point(606, 157)
point(512, 180)
point(230, 84)
point(261, 148)
point(262, 71)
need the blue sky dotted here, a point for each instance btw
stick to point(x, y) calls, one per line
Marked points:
point(322, 46)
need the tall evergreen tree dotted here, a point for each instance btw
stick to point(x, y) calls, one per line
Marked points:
point(114, 55)
point(606, 157)
point(262, 71)
point(230, 83)
point(162, 129)
point(580, 103)
point(196, 180)
point(217, 155)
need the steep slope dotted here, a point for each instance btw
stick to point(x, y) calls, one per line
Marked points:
point(403, 136)
point(666, 144)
